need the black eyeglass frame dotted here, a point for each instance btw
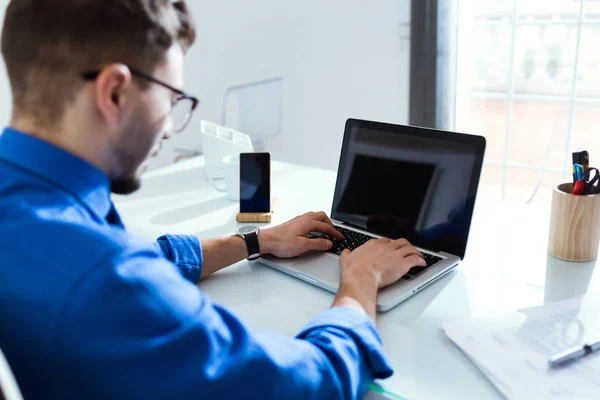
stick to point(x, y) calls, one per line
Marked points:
point(93, 75)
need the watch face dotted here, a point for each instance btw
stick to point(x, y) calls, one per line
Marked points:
point(245, 230)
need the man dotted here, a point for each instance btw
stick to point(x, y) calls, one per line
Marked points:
point(88, 310)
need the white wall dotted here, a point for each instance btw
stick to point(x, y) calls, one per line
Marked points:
point(339, 59)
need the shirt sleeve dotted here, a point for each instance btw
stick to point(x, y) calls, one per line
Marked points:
point(133, 328)
point(185, 251)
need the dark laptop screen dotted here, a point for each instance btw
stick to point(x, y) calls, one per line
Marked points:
point(409, 182)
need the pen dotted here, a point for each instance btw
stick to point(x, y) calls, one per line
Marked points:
point(585, 160)
point(585, 163)
point(576, 160)
point(573, 354)
point(579, 187)
point(379, 389)
point(579, 171)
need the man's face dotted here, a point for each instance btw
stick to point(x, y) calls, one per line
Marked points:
point(146, 123)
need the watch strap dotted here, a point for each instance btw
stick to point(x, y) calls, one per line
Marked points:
point(252, 245)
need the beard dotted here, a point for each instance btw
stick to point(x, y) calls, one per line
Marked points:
point(138, 140)
point(125, 185)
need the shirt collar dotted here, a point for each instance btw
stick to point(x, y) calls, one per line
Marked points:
point(65, 170)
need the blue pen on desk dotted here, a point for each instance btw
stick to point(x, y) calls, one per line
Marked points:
point(573, 354)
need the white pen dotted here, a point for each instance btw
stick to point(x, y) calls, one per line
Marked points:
point(573, 354)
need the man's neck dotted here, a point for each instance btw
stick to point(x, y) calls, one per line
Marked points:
point(63, 138)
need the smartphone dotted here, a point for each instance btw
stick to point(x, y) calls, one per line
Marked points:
point(255, 182)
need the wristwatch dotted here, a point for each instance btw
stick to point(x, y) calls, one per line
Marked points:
point(250, 235)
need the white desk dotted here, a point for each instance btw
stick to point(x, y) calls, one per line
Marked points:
point(506, 268)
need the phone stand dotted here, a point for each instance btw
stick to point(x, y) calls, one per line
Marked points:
point(259, 217)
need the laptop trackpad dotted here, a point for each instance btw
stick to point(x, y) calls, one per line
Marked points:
point(322, 266)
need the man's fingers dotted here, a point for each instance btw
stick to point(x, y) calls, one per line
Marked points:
point(408, 251)
point(317, 244)
point(344, 254)
point(400, 243)
point(416, 261)
point(323, 217)
point(325, 228)
point(317, 216)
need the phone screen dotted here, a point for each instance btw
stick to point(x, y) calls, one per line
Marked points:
point(255, 182)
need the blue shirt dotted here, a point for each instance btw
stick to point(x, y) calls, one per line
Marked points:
point(88, 310)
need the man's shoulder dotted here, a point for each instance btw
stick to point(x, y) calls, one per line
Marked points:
point(61, 238)
point(44, 258)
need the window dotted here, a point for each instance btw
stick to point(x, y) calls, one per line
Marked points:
point(528, 79)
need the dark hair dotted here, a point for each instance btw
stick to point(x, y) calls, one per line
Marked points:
point(48, 44)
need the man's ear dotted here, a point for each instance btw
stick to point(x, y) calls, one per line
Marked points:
point(110, 91)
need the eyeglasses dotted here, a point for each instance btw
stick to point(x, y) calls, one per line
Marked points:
point(182, 109)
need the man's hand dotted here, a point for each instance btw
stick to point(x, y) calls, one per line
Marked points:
point(373, 266)
point(289, 240)
point(388, 260)
point(285, 241)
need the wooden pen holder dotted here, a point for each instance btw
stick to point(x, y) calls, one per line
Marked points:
point(574, 225)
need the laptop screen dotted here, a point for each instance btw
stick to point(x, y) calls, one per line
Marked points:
point(406, 182)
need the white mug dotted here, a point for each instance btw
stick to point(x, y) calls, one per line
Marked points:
point(231, 184)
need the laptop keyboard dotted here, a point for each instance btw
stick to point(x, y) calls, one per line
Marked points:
point(430, 259)
point(353, 239)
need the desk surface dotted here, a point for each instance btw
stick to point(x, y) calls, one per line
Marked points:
point(506, 267)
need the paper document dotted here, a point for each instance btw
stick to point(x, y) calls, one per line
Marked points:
point(513, 349)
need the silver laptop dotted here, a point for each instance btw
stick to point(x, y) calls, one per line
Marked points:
point(398, 182)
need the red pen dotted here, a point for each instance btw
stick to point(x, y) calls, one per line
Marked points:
point(579, 187)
